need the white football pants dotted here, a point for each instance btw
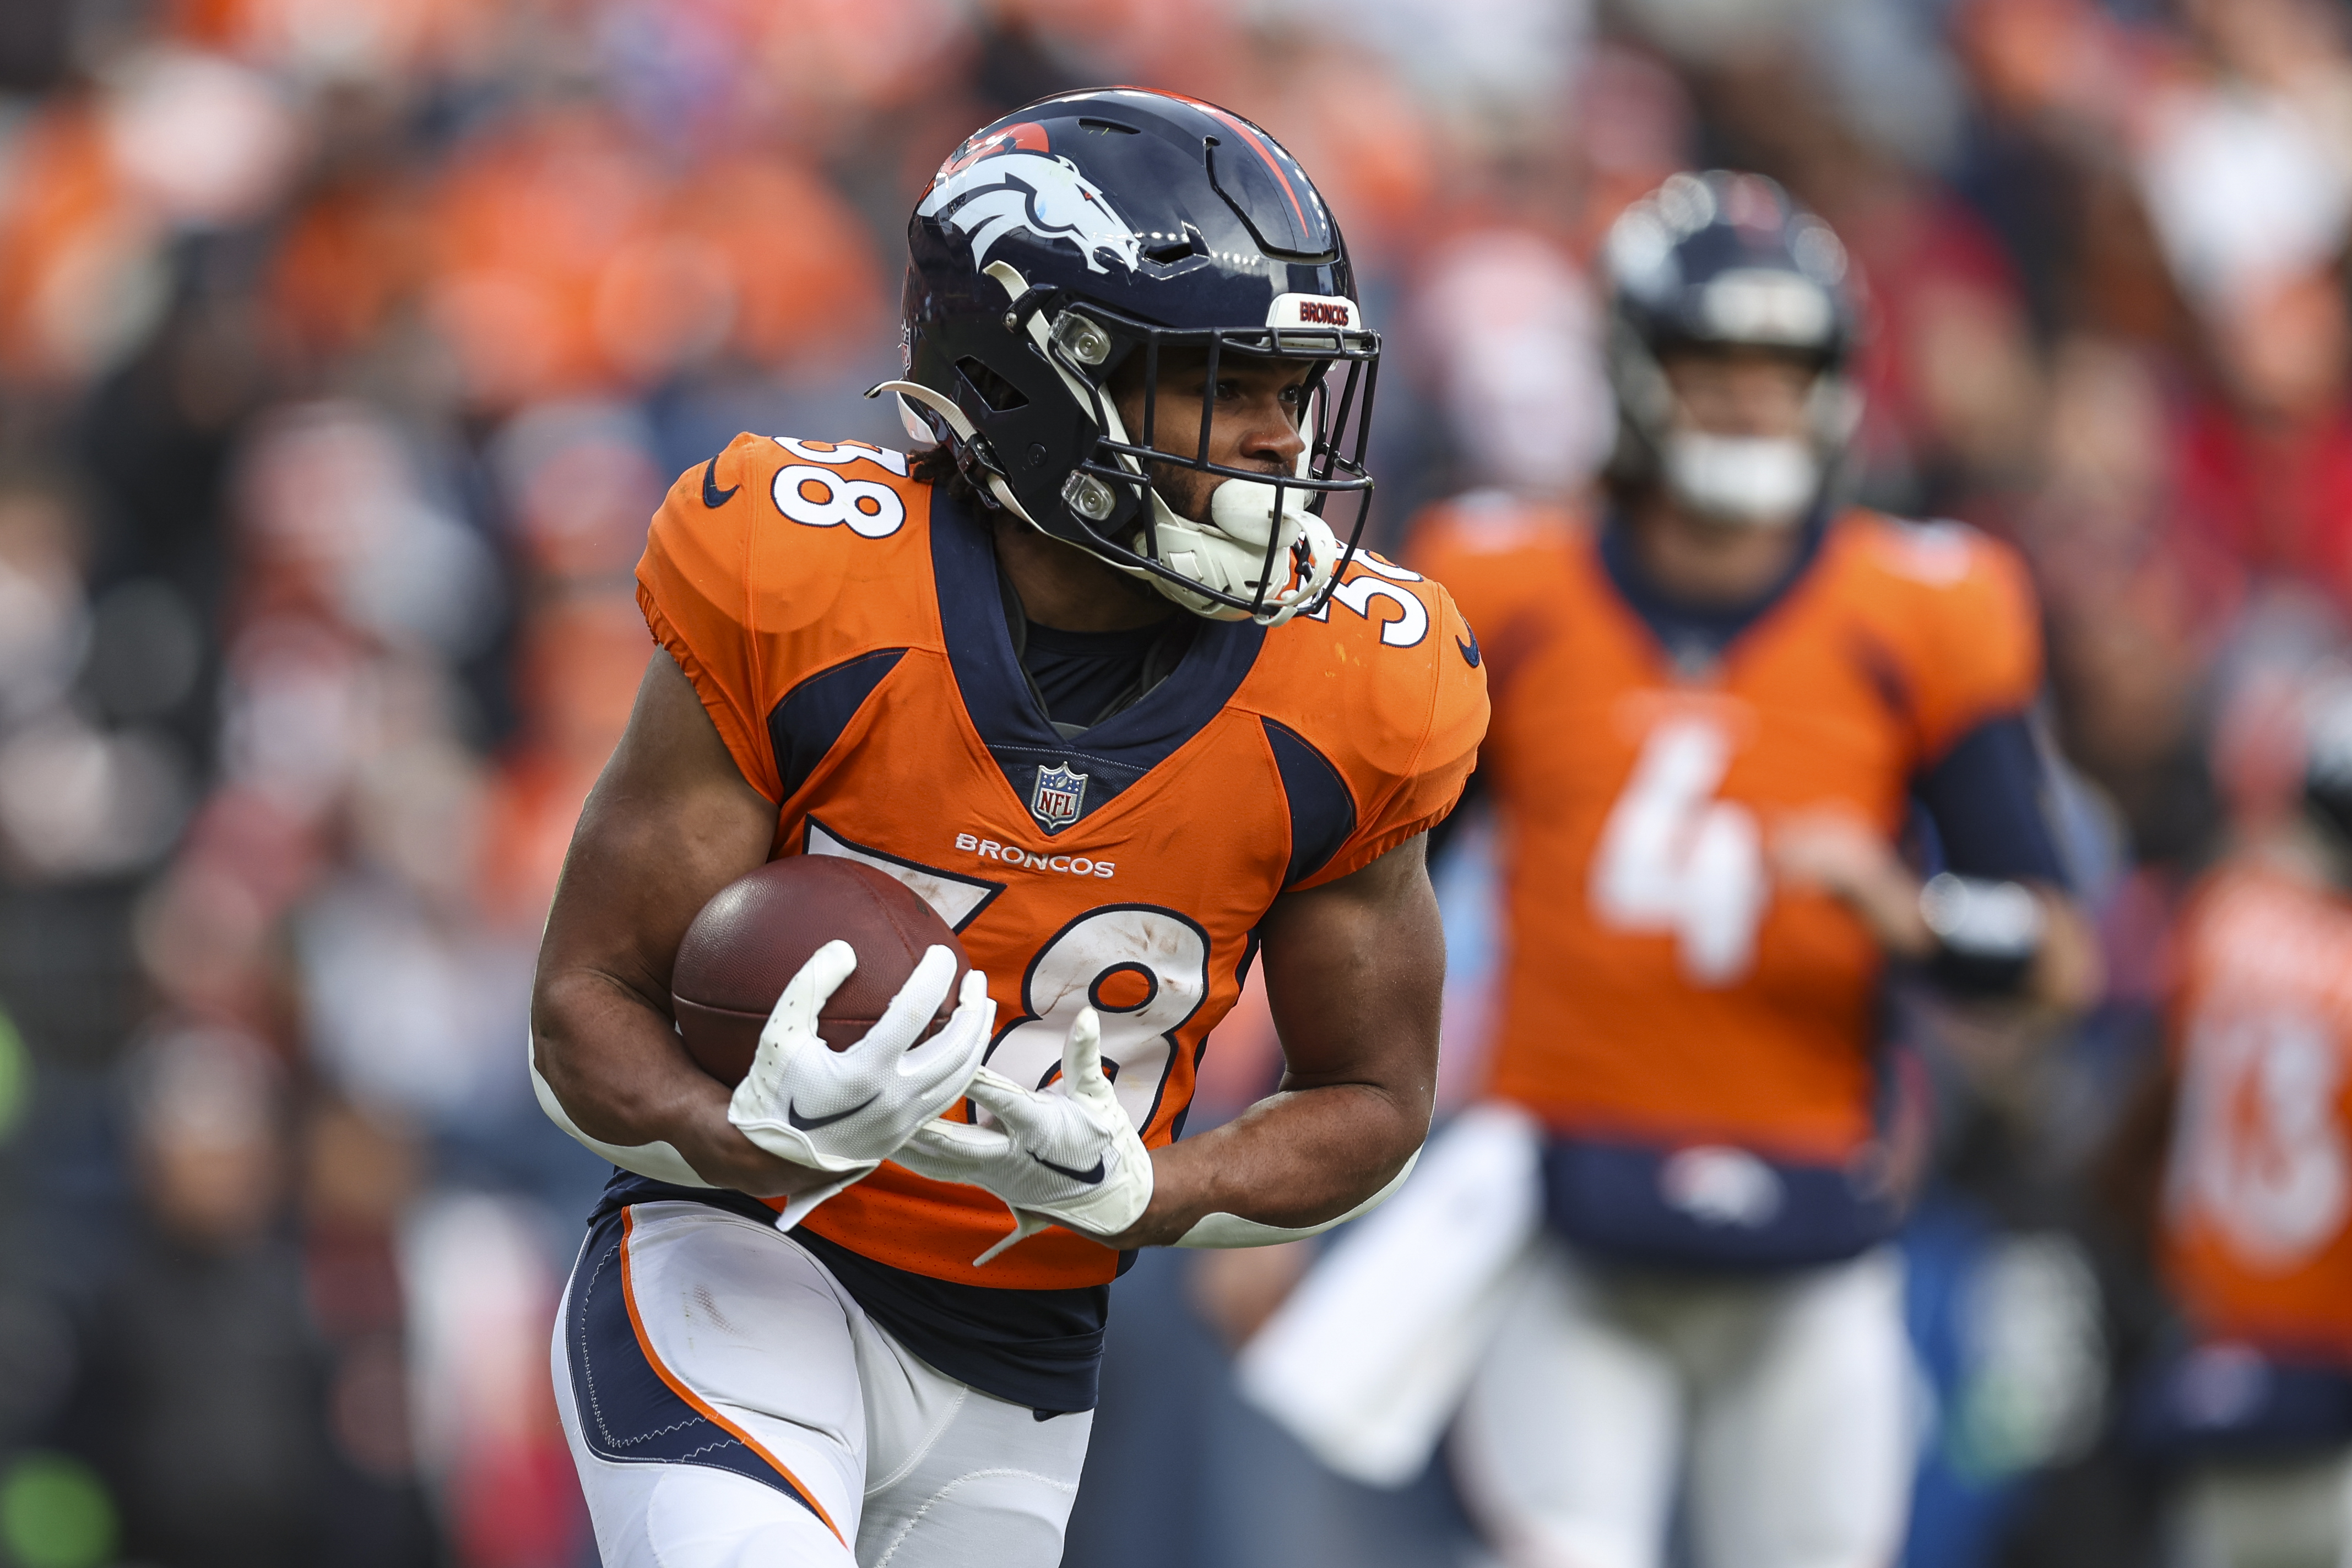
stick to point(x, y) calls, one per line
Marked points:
point(1778, 1406)
point(729, 1406)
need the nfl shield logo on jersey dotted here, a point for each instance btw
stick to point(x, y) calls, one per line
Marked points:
point(1058, 796)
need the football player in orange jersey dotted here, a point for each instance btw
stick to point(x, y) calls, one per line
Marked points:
point(1713, 715)
point(2253, 1224)
point(1092, 675)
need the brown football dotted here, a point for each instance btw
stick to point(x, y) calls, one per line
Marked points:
point(753, 936)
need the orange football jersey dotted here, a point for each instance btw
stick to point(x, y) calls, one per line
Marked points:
point(1659, 987)
point(2257, 1226)
point(843, 626)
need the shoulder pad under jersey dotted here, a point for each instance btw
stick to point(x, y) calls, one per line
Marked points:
point(1957, 606)
point(1384, 686)
point(778, 555)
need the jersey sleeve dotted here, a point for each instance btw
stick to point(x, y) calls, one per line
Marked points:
point(1416, 740)
point(1979, 638)
point(694, 586)
point(1985, 799)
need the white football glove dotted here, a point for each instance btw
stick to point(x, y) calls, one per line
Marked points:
point(844, 1112)
point(1066, 1154)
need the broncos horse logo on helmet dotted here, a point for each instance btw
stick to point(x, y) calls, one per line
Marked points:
point(1064, 241)
point(1044, 195)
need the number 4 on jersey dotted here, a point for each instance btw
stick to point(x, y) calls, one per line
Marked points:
point(1673, 860)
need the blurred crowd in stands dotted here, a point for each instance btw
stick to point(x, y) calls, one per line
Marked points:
point(346, 346)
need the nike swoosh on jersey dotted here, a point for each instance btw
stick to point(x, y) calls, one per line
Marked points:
point(715, 498)
point(1089, 1177)
point(1469, 649)
point(811, 1123)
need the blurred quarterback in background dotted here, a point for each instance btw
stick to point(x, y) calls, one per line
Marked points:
point(1715, 713)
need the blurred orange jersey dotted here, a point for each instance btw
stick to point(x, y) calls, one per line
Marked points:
point(1659, 989)
point(2257, 1227)
point(844, 627)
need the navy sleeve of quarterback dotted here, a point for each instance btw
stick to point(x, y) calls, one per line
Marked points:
point(1985, 800)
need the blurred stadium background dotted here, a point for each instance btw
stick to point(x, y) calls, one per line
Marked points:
point(346, 345)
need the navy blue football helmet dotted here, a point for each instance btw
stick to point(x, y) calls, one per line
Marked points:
point(1725, 260)
point(1068, 239)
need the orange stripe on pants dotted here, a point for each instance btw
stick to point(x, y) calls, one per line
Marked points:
point(629, 1297)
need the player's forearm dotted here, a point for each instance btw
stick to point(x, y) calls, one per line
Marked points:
point(1355, 973)
point(615, 1065)
point(1295, 1160)
point(2069, 972)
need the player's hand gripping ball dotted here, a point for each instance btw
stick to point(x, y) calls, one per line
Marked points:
point(1064, 1154)
point(821, 988)
point(757, 932)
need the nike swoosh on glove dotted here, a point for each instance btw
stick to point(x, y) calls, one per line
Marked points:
point(844, 1112)
point(1066, 1154)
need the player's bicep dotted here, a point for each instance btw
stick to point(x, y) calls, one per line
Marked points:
point(1355, 973)
point(670, 821)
